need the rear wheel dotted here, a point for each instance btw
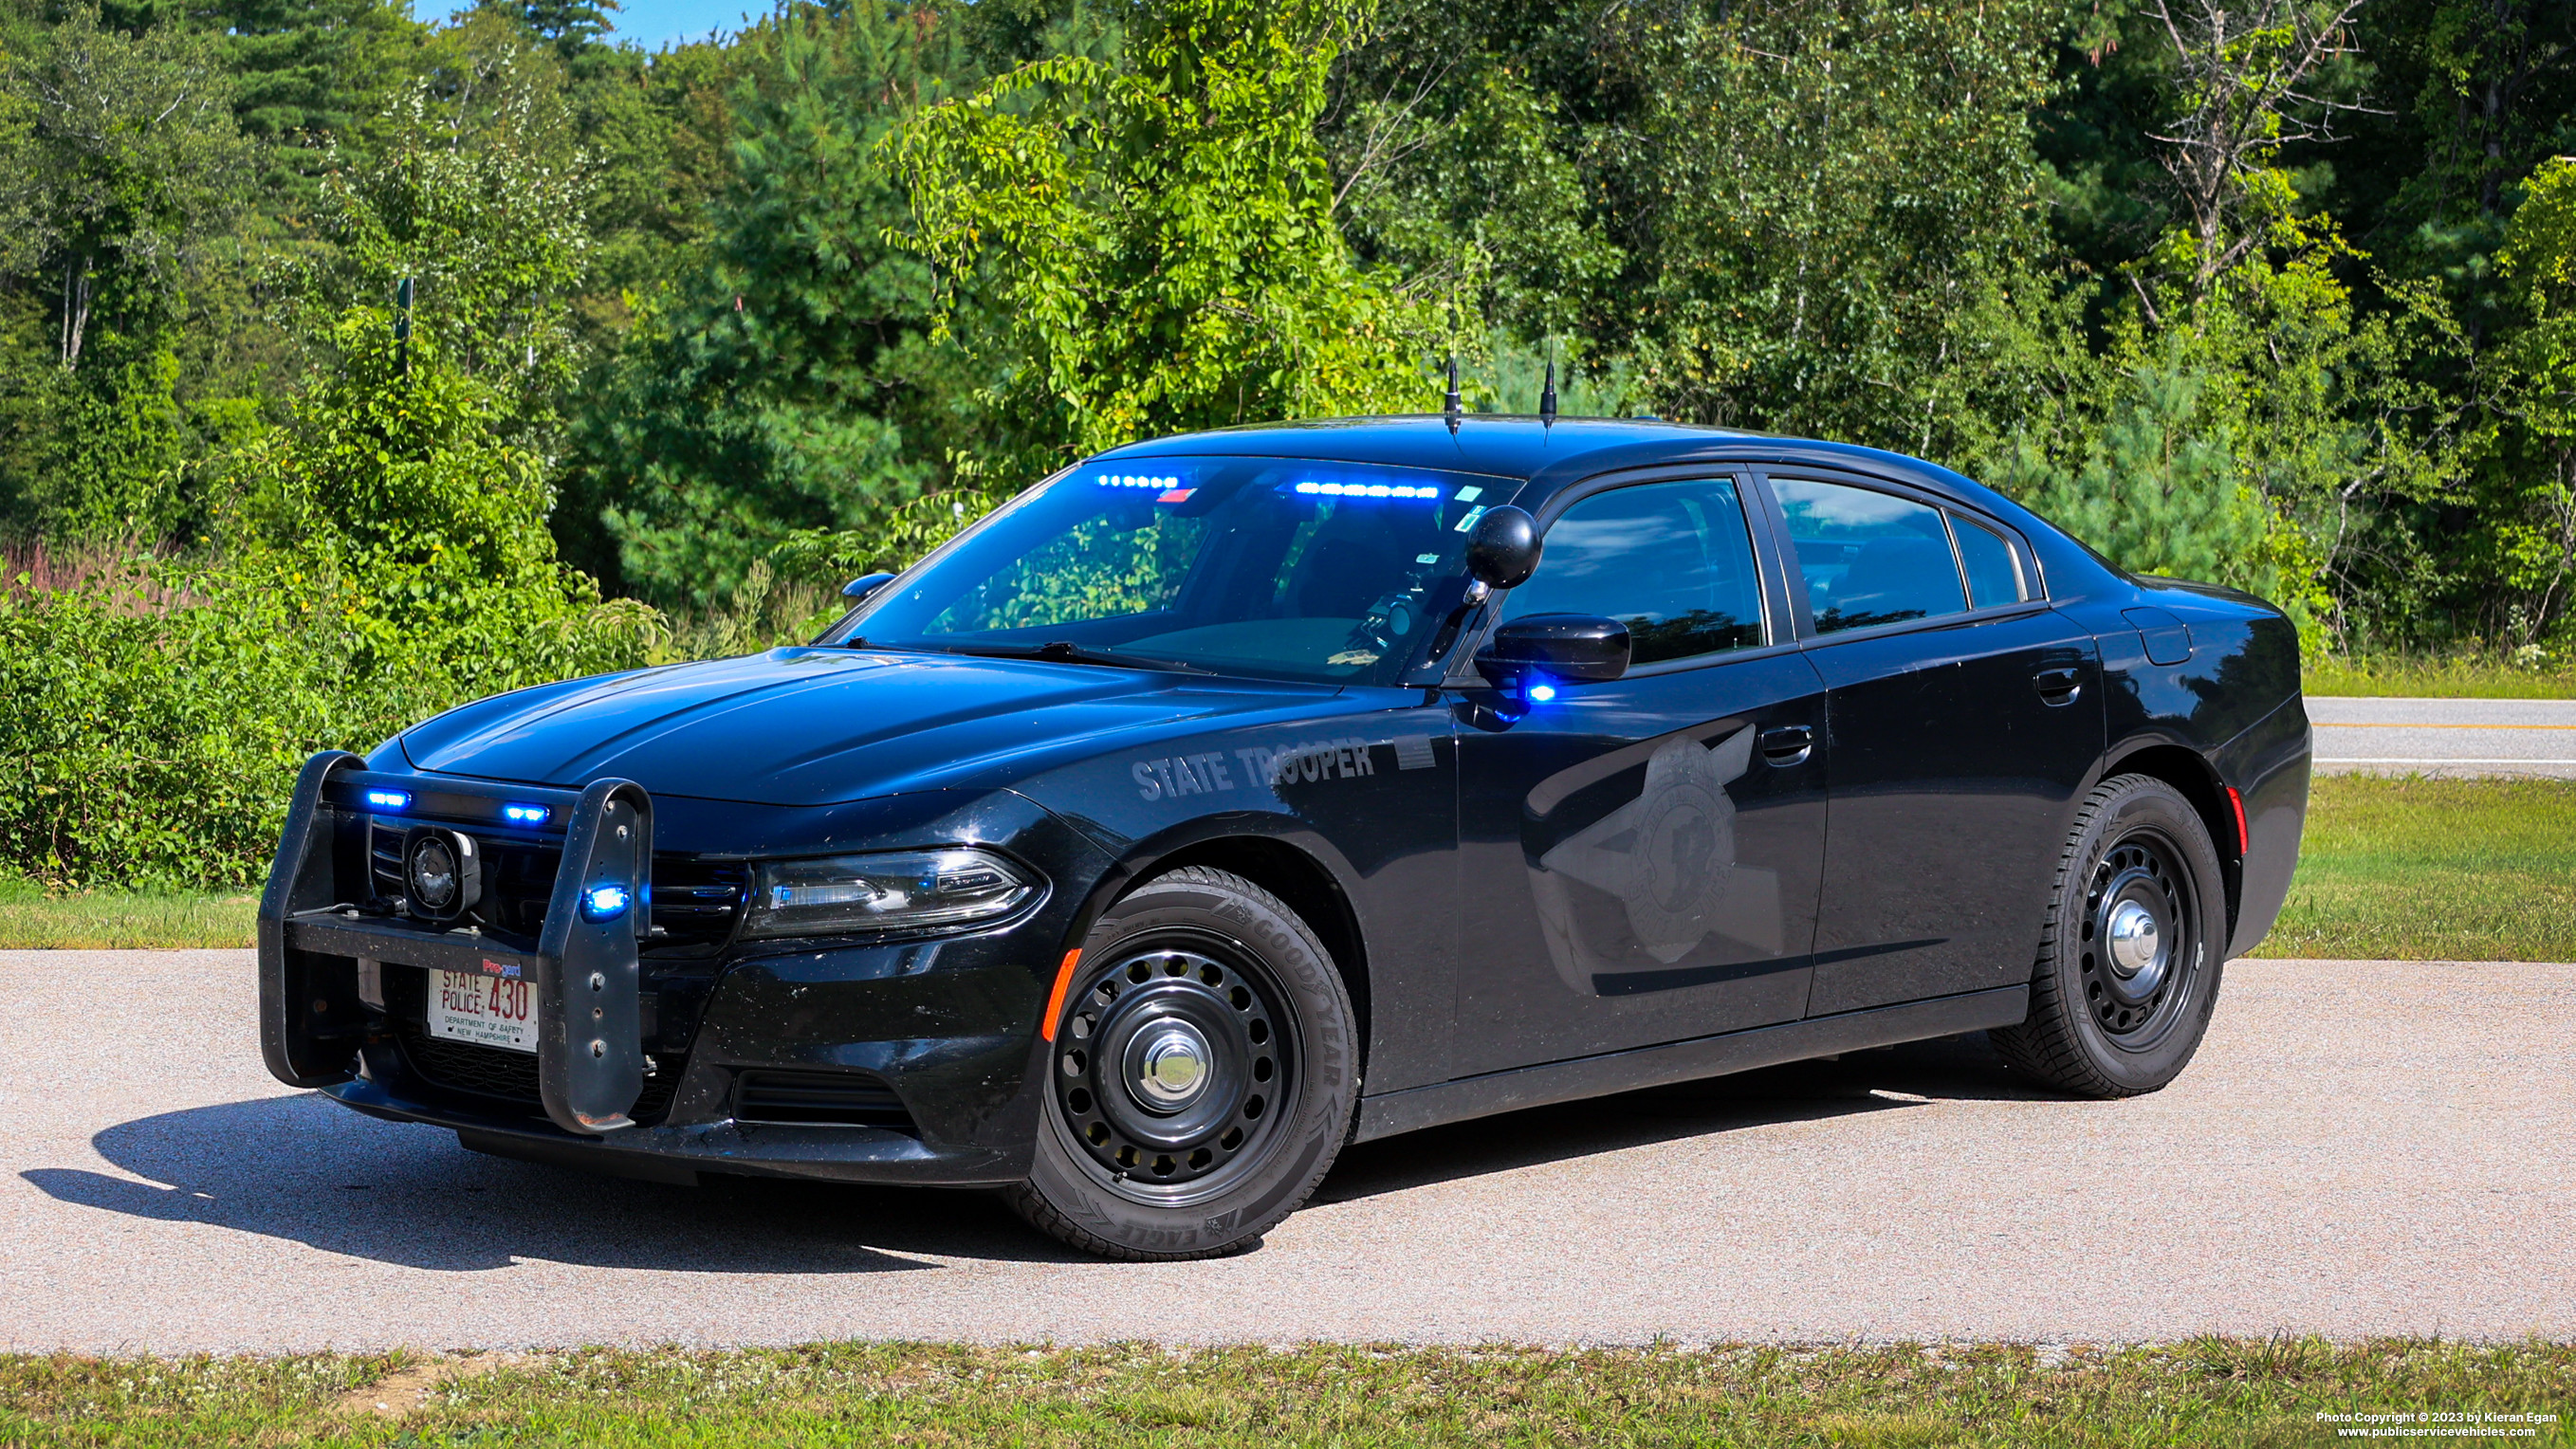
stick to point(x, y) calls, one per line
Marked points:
point(1203, 1074)
point(2130, 956)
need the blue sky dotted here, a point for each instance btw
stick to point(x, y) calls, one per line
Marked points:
point(648, 23)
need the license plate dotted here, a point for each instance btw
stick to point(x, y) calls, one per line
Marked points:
point(493, 1011)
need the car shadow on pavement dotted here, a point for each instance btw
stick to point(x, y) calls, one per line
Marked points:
point(306, 1169)
point(1883, 1079)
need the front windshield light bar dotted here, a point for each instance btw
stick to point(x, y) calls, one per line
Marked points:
point(1368, 490)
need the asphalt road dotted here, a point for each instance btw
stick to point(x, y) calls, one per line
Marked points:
point(2445, 736)
point(2360, 1149)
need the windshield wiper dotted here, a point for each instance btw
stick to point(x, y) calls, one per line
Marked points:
point(1063, 651)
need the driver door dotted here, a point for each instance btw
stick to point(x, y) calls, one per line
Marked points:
point(1640, 859)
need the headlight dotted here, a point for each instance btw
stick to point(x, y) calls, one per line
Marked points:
point(896, 891)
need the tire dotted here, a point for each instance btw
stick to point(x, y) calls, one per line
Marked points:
point(1133, 1161)
point(2114, 1013)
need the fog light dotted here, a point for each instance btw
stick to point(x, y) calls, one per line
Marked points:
point(442, 873)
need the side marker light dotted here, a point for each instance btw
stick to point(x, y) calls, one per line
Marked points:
point(1055, 998)
point(1541, 693)
point(2243, 841)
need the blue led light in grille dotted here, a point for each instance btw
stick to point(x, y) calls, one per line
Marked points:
point(389, 799)
point(604, 903)
point(525, 814)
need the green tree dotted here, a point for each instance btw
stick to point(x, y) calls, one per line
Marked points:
point(1833, 215)
point(1453, 165)
point(788, 379)
point(487, 221)
point(311, 77)
point(2156, 486)
point(1156, 234)
point(129, 172)
point(2529, 540)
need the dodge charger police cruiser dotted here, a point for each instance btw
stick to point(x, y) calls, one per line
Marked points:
point(1230, 798)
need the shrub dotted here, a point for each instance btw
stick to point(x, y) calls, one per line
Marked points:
point(381, 558)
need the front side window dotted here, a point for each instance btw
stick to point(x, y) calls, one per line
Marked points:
point(1672, 561)
point(1274, 568)
point(1868, 557)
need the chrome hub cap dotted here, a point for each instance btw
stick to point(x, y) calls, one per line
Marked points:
point(1167, 1065)
point(2134, 939)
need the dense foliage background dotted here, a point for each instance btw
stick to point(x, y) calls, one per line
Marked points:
point(2281, 294)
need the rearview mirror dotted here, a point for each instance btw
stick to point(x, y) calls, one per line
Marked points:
point(1503, 551)
point(864, 585)
point(1576, 648)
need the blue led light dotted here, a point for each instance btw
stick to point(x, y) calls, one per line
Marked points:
point(1137, 480)
point(525, 814)
point(389, 799)
point(1542, 693)
point(604, 903)
point(1368, 490)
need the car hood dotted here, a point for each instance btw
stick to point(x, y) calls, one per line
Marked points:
point(803, 727)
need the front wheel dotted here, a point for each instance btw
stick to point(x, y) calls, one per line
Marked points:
point(1202, 1078)
point(2131, 952)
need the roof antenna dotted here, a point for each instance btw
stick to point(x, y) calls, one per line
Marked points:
point(1449, 407)
point(1547, 395)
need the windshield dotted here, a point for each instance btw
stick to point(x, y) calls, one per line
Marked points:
point(1283, 569)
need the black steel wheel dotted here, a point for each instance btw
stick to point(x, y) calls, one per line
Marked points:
point(2132, 950)
point(1176, 1063)
point(1202, 1077)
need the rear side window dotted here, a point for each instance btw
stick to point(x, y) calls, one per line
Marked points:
point(1869, 557)
point(1994, 575)
point(1672, 561)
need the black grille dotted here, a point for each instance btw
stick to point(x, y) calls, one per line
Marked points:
point(694, 901)
point(825, 1099)
point(493, 1072)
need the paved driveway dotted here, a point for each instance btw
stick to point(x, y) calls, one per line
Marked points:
point(2361, 1148)
point(2445, 736)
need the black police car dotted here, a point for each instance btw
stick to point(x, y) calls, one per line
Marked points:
point(1232, 797)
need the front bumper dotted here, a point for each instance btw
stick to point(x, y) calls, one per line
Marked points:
point(942, 1032)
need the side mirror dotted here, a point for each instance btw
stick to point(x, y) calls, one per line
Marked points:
point(1577, 648)
point(864, 585)
point(1503, 551)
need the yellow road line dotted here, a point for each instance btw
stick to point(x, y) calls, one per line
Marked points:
point(2328, 724)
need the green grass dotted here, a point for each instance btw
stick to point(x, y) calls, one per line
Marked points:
point(2213, 1392)
point(2445, 677)
point(29, 918)
point(2445, 870)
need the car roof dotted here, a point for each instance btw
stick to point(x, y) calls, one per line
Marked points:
point(1552, 455)
point(1548, 454)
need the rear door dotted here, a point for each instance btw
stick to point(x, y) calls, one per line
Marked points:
point(1962, 715)
point(1639, 858)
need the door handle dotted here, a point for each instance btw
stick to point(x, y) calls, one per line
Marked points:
point(1788, 745)
point(2058, 686)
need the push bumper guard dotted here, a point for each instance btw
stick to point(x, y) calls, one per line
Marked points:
point(319, 919)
